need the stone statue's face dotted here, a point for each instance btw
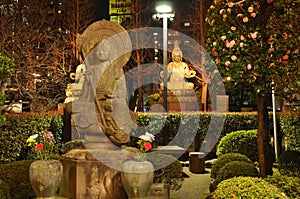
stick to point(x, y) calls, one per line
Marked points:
point(103, 51)
point(176, 57)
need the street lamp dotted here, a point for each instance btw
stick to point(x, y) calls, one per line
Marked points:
point(165, 12)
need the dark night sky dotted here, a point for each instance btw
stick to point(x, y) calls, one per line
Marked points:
point(102, 6)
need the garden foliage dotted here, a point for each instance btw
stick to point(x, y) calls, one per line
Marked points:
point(243, 142)
point(16, 176)
point(18, 127)
point(224, 159)
point(234, 169)
point(4, 190)
point(289, 163)
point(170, 174)
point(288, 185)
point(247, 187)
point(15, 129)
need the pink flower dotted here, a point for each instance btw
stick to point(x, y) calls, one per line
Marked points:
point(239, 15)
point(230, 44)
point(218, 60)
point(233, 58)
point(242, 37)
point(227, 63)
point(285, 57)
point(285, 35)
point(225, 16)
point(253, 35)
point(228, 10)
point(245, 19)
point(233, 28)
point(253, 14)
point(223, 37)
point(241, 44)
point(222, 11)
point(250, 9)
point(257, 4)
point(230, 4)
point(269, 1)
point(249, 66)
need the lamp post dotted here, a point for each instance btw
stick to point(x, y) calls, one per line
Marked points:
point(165, 12)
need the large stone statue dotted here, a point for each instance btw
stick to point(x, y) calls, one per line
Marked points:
point(100, 113)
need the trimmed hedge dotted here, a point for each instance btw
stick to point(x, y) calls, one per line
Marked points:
point(185, 126)
point(18, 127)
point(234, 169)
point(15, 129)
point(243, 142)
point(16, 176)
point(247, 187)
point(288, 185)
point(289, 163)
point(4, 190)
point(224, 159)
point(290, 128)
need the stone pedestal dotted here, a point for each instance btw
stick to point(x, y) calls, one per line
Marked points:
point(181, 97)
point(86, 177)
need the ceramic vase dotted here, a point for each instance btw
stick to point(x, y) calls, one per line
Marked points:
point(137, 177)
point(45, 177)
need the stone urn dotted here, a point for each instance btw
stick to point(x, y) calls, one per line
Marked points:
point(45, 177)
point(137, 178)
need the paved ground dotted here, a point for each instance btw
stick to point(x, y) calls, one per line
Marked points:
point(195, 186)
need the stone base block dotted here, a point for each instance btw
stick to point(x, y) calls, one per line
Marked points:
point(84, 179)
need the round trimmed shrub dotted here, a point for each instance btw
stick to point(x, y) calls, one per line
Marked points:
point(289, 163)
point(234, 169)
point(4, 190)
point(289, 185)
point(247, 187)
point(243, 142)
point(224, 159)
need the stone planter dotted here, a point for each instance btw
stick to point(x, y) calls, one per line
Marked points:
point(45, 177)
point(137, 177)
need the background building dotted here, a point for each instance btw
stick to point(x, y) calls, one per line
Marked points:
point(120, 11)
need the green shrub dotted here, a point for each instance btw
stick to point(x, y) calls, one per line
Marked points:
point(73, 144)
point(18, 128)
point(288, 185)
point(224, 159)
point(247, 187)
point(289, 163)
point(244, 142)
point(16, 176)
point(170, 174)
point(290, 128)
point(234, 169)
point(4, 190)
